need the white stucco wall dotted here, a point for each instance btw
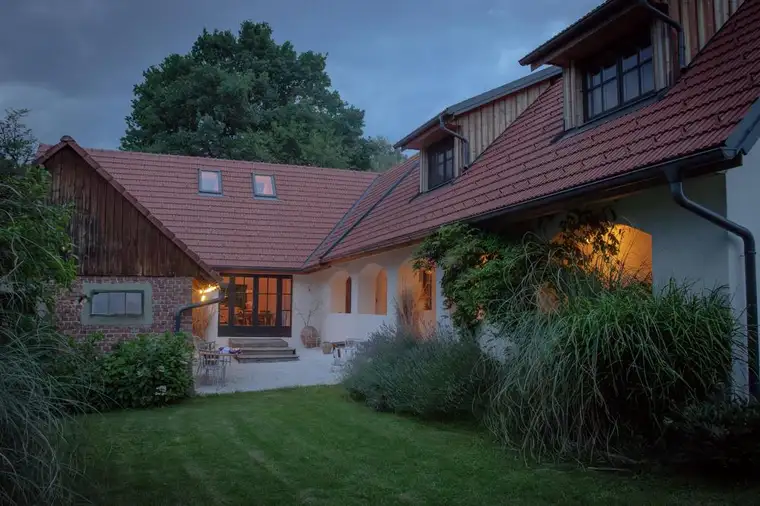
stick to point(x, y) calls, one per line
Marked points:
point(326, 289)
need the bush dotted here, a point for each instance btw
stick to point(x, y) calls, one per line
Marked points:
point(601, 373)
point(439, 377)
point(715, 438)
point(150, 370)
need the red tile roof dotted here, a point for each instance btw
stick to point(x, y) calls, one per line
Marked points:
point(531, 160)
point(236, 230)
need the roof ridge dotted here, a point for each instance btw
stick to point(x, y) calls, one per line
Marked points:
point(223, 160)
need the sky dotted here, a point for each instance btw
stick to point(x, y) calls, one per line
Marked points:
point(74, 63)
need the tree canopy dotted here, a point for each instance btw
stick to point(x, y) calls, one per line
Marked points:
point(247, 97)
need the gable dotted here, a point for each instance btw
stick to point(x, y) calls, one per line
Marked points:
point(111, 236)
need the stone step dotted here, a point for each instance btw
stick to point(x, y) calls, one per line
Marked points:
point(256, 342)
point(267, 351)
point(252, 357)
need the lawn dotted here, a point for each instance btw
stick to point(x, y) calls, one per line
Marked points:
point(313, 446)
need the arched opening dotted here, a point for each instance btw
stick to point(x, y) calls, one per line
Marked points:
point(348, 295)
point(340, 292)
point(373, 290)
point(381, 292)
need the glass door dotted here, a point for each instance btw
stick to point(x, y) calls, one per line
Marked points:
point(257, 305)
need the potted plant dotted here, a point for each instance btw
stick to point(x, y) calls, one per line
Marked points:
point(309, 334)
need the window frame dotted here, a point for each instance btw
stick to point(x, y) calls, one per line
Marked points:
point(427, 281)
point(125, 314)
point(284, 305)
point(621, 53)
point(431, 152)
point(263, 195)
point(200, 179)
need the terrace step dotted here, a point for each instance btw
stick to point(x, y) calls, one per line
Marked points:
point(256, 342)
point(267, 351)
point(258, 357)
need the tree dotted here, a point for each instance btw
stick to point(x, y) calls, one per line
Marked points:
point(246, 97)
point(383, 154)
point(17, 144)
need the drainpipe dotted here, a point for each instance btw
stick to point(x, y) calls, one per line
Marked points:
point(750, 270)
point(673, 23)
point(178, 314)
point(465, 142)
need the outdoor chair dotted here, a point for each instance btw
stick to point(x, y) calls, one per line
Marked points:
point(213, 366)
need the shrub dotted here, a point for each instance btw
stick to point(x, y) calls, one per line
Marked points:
point(602, 372)
point(439, 377)
point(150, 370)
point(716, 438)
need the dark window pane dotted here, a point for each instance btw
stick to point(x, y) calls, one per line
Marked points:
point(134, 303)
point(630, 61)
point(610, 95)
point(609, 72)
point(630, 85)
point(597, 101)
point(646, 53)
point(210, 181)
point(99, 303)
point(647, 78)
point(116, 303)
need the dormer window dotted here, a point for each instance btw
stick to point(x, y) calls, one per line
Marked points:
point(618, 77)
point(440, 162)
point(263, 186)
point(210, 181)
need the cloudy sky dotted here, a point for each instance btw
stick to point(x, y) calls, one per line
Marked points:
point(74, 63)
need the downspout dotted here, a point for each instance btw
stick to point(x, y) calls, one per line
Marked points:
point(178, 314)
point(465, 142)
point(750, 269)
point(673, 23)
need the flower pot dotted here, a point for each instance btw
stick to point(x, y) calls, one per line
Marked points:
point(327, 348)
point(309, 337)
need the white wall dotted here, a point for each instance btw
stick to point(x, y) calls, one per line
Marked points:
point(742, 185)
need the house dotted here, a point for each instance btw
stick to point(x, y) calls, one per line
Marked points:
point(647, 107)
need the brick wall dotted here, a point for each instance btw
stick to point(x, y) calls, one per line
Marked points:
point(168, 295)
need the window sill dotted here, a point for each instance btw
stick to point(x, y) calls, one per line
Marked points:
point(628, 108)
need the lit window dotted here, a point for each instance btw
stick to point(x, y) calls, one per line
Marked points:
point(116, 304)
point(210, 181)
point(263, 186)
point(618, 77)
point(426, 279)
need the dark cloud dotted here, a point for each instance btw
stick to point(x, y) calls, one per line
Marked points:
point(74, 63)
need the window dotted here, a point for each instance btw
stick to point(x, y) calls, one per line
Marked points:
point(618, 77)
point(257, 305)
point(116, 304)
point(210, 181)
point(440, 160)
point(426, 278)
point(263, 186)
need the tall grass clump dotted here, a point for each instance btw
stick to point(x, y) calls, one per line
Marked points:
point(441, 376)
point(601, 375)
point(594, 361)
point(35, 263)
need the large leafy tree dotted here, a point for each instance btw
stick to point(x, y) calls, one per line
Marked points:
point(247, 97)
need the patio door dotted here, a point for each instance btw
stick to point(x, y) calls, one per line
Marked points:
point(258, 305)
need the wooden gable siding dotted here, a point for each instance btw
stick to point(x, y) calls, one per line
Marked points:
point(483, 125)
point(111, 237)
point(701, 19)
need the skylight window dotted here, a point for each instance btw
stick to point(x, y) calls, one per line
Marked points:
point(263, 186)
point(210, 181)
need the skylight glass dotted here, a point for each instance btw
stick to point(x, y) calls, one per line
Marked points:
point(210, 181)
point(263, 186)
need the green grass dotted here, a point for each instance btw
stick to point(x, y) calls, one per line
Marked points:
point(313, 446)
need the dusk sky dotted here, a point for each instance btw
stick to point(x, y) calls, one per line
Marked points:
point(74, 63)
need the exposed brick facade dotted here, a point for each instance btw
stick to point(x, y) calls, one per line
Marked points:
point(168, 295)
